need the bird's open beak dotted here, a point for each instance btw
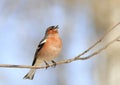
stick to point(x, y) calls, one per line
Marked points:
point(57, 27)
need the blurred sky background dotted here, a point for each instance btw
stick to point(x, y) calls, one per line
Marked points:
point(81, 23)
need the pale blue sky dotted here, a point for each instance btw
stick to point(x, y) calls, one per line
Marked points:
point(21, 31)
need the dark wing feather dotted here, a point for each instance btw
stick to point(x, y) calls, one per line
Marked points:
point(38, 49)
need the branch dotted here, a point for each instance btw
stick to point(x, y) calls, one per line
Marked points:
point(75, 58)
point(100, 40)
point(64, 61)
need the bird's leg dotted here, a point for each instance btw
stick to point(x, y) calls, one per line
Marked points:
point(54, 63)
point(47, 65)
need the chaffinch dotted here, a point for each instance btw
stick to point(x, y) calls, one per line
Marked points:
point(48, 49)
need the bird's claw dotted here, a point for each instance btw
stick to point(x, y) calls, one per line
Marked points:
point(54, 63)
point(47, 65)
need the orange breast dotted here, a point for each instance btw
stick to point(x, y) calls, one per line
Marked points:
point(51, 49)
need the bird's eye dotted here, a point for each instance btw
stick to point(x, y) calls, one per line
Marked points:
point(50, 29)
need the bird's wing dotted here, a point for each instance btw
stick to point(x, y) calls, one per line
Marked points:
point(42, 42)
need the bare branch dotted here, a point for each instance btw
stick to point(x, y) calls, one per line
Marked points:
point(75, 58)
point(100, 50)
point(95, 44)
point(64, 61)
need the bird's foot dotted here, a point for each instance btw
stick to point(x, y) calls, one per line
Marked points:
point(47, 65)
point(54, 63)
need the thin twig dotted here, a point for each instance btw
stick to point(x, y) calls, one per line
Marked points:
point(72, 59)
point(64, 61)
point(100, 50)
point(95, 44)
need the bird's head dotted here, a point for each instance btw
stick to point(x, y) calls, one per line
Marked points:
point(52, 30)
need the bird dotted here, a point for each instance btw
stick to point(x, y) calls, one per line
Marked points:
point(48, 49)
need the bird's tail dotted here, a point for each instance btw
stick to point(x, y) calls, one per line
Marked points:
point(30, 74)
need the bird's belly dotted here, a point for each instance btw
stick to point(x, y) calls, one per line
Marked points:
point(51, 53)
